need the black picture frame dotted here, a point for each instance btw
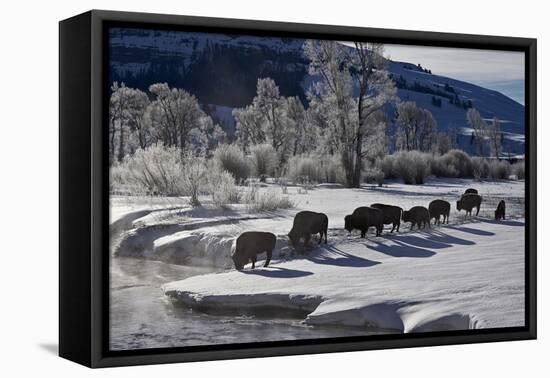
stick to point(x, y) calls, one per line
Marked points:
point(83, 195)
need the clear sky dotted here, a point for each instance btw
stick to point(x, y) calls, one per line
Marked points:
point(503, 71)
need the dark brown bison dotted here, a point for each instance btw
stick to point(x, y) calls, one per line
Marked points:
point(471, 191)
point(418, 215)
point(250, 244)
point(500, 212)
point(439, 208)
point(392, 214)
point(468, 202)
point(363, 218)
point(305, 224)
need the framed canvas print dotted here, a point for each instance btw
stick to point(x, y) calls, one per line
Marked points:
point(233, 188)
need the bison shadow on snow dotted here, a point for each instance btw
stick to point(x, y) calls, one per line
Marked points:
point(333, 256)
point(504, 222)
point(419, 242)
point(278, 272)
point(441, 237)
point(470, 230)
point(415, 246)
point(400, 249)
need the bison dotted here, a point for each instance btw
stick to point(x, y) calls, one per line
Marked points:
point(363, 218)
point(307, 223)
point(249, 245)
point(471, 191)
point(468, 202)
point(439, 208)
point(500, 212)
point(418, 215)
point(392, 214)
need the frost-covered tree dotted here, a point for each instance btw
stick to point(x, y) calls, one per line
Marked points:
point(118, 117)
point(270, 118)
point(427, 137)
point(376, 89)
point(177, 120)
point(271, 107)
point(129, 126)
point(137, 107)
point(321, 135)
point(479, 130)
point(495, 137)
point(206, 136)
point(297, 127)
point(248, 127)
point(341, 68)
point(406, 116)
point(177, 114)
point(417, 127)
point(374, 145)
point(328, 61)
point(443, 144)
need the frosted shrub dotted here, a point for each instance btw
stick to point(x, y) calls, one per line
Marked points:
point(303, 169)
point(518, 170)
point(221, 186)
point(118, 181)
point(373, 174)
point(386, 166)
point(230, 158)
point(264, 159)
point(251, 193)
point(500, 169)
point(411, 166)
point(480, 168)
point(194, 178)
point(155, 170)
point(267, 201)
point(455, 163)
point(331, 170)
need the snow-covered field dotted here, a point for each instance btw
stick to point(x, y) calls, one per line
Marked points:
point(469, 274)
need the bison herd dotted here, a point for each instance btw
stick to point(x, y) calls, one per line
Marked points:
point(306, 223)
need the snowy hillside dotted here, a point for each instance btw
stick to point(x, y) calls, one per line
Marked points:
point(452, 115)
point(222, 71)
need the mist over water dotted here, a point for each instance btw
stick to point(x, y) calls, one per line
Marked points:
point(142, 317)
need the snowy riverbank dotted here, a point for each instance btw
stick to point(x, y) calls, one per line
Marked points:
point(456, 277)
point(169, 230)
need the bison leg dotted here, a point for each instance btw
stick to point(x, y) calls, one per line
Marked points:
point(393, 228)
point(268, 258)
point(253, 262)
point(477, 212)
point(363, 233)
point(398, 224)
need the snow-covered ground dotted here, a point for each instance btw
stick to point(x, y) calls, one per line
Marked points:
point(468, 274)
point(455, 277)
